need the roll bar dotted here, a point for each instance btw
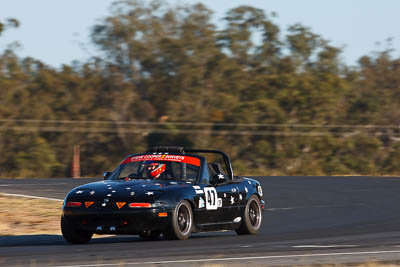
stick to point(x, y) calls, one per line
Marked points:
point(181, 150)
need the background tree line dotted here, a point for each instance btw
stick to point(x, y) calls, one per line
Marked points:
point(278, 105)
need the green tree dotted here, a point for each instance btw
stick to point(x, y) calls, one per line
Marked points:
point(9, 23)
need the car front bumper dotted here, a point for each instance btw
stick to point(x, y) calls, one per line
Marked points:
point(119, 222)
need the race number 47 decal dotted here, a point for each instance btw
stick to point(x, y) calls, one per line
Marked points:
point(211, 198)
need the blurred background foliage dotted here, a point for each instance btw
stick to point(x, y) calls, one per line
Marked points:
point(166, 75)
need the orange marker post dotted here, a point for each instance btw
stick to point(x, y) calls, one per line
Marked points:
point(76, 169)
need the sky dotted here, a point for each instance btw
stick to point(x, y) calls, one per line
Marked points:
point(58, 31)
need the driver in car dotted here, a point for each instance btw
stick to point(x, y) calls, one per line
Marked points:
point(155, 170)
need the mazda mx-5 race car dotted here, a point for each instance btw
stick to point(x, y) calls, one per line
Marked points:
point(169, 191)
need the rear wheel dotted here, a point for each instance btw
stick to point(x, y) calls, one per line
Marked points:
point(252, 217)
point(72, 235)
point(182, 222)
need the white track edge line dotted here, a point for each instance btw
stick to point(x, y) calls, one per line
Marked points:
point(237, 258)
point(29, 196)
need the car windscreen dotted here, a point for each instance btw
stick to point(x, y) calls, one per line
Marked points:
point(173, 167)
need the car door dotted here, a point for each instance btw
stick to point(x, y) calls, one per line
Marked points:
point(206, 200)
point(227, 201)
point(217, 203)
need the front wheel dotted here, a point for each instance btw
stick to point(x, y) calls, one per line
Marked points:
point(252, 217)
point(182, 222)
point(72, 235)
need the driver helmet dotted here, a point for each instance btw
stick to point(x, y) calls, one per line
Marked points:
point(154, 169)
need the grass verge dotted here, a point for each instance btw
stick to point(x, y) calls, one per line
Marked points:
point(26, 216)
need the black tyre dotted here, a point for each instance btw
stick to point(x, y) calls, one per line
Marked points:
point(150, 235)
point(72, 235)
point(182, 222)
point(252, 217)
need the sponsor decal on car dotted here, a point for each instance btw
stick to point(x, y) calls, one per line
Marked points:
point(88, 203)
point(201, 203)
point(120, 204)
point(219, 202)
point(176, 158)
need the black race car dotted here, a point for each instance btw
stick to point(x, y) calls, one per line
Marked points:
point(169, 191)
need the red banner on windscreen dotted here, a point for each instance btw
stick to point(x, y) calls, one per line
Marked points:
point(176, 158)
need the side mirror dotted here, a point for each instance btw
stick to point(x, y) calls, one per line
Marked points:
point(106, 175)
point(214, 180)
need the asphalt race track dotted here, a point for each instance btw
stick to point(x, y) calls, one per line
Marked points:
point(308, 220)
